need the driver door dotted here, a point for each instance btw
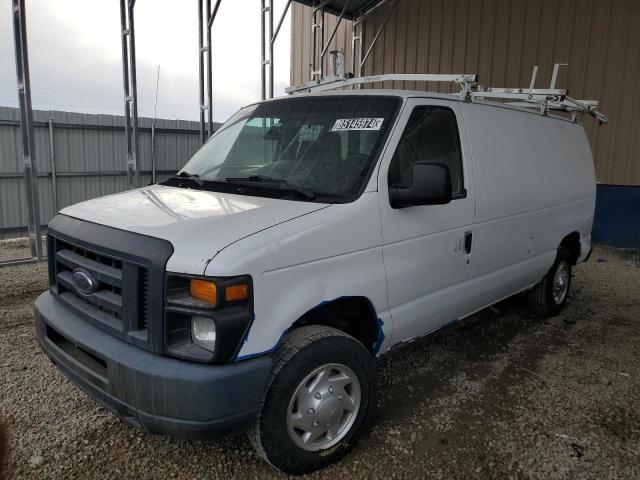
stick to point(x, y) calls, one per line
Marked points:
point(428, 249)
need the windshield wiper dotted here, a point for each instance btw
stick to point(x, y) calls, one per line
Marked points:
point(194, 177)
point(280, 182)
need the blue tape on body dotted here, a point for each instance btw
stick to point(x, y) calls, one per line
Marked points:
point(271, 350)
point(380, 338)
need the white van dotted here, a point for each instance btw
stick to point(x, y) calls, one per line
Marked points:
point(310, 235)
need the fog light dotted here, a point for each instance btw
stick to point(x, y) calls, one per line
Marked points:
point(203, 332)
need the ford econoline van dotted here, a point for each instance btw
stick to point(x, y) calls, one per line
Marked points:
point(254, 290)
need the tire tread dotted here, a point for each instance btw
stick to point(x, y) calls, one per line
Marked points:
point(538, 298)
point(293, 343)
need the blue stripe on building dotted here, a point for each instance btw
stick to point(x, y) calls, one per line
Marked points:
point(617, 217)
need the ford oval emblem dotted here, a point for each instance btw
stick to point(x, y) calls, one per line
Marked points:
point(83, 281)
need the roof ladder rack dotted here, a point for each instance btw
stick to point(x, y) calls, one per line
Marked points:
point(542, 99)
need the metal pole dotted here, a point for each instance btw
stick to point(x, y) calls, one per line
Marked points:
point(153, 152)
point(26, 128)
point(134, 93)
point(52, 156)
point(130, 91)
point(321, 66)
point(201, 67)
point(272, 38)
point(375, 38)
point(271, 49)
point(210, 20)
point(209, 70)
point(361, 48)
point(124, 32)
point(312, 43)
point(353, 47)
point(263, 65)
point(284, 14)
point(153, 131)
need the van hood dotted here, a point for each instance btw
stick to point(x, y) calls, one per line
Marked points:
point(199, 224)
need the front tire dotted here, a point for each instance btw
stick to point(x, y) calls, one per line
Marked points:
point(549, 297)
point(318, 399)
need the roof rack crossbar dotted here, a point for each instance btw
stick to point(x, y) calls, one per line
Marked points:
point(333, 82)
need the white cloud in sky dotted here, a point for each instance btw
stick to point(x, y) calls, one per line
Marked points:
point(75, 56)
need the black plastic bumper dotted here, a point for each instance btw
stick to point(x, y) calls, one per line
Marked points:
point(155, 393)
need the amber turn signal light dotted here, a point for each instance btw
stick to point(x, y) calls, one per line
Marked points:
point(235, 293)
point(204, 290)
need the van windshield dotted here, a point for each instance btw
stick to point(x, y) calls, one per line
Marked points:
point(313, 148)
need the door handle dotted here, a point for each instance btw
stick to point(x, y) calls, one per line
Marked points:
point(468, 240)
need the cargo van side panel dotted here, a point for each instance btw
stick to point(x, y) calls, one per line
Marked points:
point(535, 185)
point(300, 264)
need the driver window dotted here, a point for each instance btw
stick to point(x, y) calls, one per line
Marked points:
point(431, 135)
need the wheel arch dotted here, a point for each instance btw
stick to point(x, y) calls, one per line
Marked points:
point(353, 315)
point(572, 243)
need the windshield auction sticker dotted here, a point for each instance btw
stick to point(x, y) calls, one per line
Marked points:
point(357, 124)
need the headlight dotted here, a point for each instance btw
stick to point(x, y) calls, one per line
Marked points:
point(203, 332)
point(207, 318)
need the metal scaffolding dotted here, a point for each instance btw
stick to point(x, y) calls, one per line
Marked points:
point(127, 35)
point(355, 10)
point(266, 23)
point(26, 129)
point(205, 21)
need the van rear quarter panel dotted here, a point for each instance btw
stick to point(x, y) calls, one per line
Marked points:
point(535, 184)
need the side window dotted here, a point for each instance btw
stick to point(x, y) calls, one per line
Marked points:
point(431, 135)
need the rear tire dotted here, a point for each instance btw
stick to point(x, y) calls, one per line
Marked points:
point(549, 297)
point(322, 379)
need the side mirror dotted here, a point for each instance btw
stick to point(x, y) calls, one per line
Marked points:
point(431, 186)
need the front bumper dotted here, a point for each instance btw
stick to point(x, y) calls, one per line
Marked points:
point(155, 393)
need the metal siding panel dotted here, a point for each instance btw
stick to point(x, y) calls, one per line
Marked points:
point(630, 156)
point(595, 82)
point(422, 38)
point(396, 34)
point(474, 32)
point(83, 150)
point(501, 42)
point(622, 78)
point(513, 61)
point(485, 44)
point(448, 25)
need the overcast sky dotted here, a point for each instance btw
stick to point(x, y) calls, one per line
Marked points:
point(75, 56)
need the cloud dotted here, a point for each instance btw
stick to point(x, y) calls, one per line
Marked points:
point(75, 56)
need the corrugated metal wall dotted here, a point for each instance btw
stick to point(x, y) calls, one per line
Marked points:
point(90, 154)
point(501, 40)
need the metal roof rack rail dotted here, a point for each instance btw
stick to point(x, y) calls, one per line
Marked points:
point(465, 81)
point(543, 99)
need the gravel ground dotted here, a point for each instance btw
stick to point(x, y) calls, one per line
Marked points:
point(499, 395)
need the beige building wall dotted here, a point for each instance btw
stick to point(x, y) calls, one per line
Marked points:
point(501, 40)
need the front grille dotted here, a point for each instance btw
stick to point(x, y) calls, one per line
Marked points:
point(107, 306)
point(129, 268)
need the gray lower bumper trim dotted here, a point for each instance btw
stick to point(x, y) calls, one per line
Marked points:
point(156, 393)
